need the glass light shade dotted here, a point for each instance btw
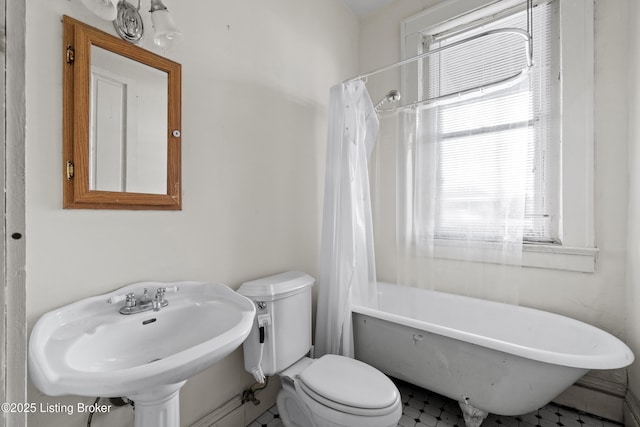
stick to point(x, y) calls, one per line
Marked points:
point(105, 9)
point(166, 33)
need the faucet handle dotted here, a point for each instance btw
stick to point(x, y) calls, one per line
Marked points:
point(116, 299)
point(164, 290)
point(173, 288)
point(130, 299)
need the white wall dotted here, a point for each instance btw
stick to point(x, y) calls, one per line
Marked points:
point(256, 77)
point(597, 298)
point(633, 234)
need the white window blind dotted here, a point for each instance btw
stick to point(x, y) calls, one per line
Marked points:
point(476, 139)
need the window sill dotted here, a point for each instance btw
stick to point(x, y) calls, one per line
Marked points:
point(556, 257)
point(553, 257)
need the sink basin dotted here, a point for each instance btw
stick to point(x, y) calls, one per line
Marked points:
point(89, 348)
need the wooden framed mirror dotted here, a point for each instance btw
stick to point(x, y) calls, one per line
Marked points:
point(121, 123)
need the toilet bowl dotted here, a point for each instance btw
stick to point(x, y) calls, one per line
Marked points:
point(332, 391)
point(337, 391)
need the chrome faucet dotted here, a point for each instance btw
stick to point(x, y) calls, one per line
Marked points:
point(145, 303)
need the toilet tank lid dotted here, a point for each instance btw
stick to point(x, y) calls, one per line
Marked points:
point(277, 286)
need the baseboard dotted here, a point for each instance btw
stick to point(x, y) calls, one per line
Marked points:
point(234, 413)
point(631, 410)
point(600, 393)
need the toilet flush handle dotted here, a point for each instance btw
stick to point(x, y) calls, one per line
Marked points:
point(263, 320)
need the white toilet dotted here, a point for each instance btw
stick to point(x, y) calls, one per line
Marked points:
point(326, 392)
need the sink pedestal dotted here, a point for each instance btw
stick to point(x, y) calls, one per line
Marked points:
point(159, 407)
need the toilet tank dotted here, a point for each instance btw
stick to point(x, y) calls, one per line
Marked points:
point(283, 308)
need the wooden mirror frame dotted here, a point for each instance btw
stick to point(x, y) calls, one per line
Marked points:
point(78, 39)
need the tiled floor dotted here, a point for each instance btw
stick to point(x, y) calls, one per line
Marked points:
point(423, 408)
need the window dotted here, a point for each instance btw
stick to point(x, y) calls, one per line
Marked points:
point(559, 198)
point(477, 138)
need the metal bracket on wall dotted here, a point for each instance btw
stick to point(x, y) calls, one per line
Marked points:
point(71, 54)
point(69, 170)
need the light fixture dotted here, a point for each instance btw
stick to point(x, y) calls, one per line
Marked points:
point(165, 32)
point(128, 22)
point(105, 9)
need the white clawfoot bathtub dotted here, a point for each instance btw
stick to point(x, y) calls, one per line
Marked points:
point(489, 356)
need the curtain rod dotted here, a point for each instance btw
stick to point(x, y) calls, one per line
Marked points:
point(464, 94)
point(518, 31)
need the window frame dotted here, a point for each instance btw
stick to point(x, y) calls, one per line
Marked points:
point(576, 250)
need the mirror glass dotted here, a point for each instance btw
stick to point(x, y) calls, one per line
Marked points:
point(128, 123)
point(121, 123)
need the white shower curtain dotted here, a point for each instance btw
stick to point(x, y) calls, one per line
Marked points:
point(461, 192)
point(347, 263)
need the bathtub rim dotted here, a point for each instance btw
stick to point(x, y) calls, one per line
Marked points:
point(618, 356)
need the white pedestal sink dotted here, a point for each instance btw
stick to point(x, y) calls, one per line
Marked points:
point(158, 407)
point(89, 348)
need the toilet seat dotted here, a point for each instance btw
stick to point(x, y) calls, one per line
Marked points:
point(337, 391)
point(348, 386)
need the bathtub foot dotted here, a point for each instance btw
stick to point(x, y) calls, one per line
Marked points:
point(473, 417)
